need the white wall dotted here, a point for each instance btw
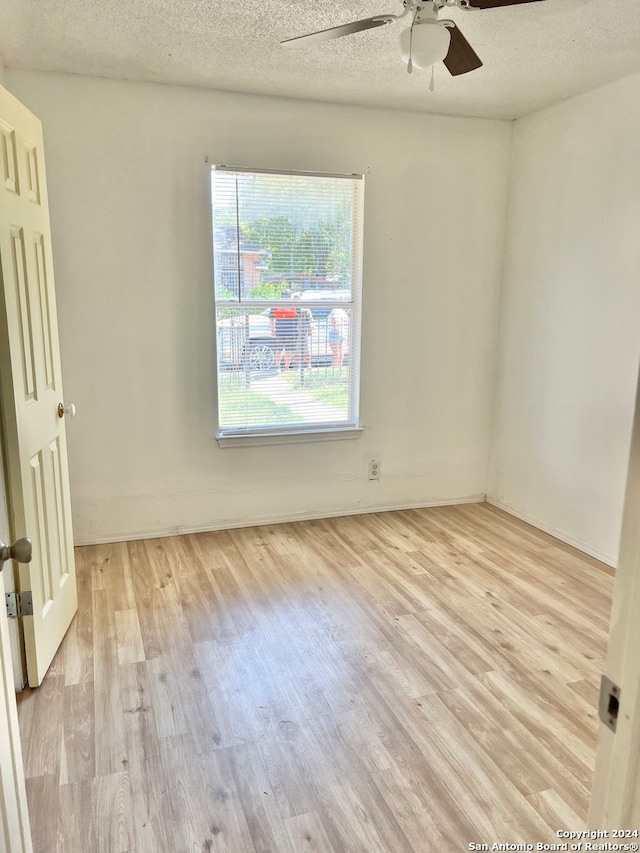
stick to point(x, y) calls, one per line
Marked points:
point(131, 228)
point(570, 325)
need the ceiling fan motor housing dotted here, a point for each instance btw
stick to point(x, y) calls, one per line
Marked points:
point(426, 12)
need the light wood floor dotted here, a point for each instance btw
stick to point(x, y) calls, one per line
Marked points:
point(408, 681)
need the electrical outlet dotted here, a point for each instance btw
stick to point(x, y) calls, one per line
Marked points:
point(374, 469)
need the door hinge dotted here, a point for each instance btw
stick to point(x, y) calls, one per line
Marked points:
point(19, 604)
point(609, 703)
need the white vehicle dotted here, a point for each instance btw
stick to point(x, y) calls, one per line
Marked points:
point(323, 296)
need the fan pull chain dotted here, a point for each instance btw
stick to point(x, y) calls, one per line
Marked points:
point(410, 62)
point(432, 84)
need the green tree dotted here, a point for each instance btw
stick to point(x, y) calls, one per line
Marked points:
point(317, 251)
point(269, 290)
point(279, 237)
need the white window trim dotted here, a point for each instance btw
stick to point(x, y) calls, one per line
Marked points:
point(256, 439)
point(321, 432)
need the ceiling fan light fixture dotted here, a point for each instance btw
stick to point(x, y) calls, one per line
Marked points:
point(426, 43)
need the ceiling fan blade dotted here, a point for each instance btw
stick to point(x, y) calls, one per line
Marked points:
point(461, 57)
point(496, 4)
point(338, 32)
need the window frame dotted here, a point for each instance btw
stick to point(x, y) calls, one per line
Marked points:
point(297, 433)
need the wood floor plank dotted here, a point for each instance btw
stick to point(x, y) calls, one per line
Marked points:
point(230, 616)
point(139, 727)
point(105, 658)
point(201, 715)
point(110, 744)
point(128, 636)
point(532, 708)
point(149, 795)
point(419, 803)
point(338, 796)
point(402, 681)
point(196, 591)
point(497, 801)
point(259, 803)
point(165, 684)
point(108, 723)
point(505, 631)
point(220, 670)
point(288, 772)
point(391, 731)
point(93, 561)
point(528, 570)
point(116, 572)
point(588, 688)
point(78, 646)
point(505, 739)
point(447, 670)
point(555, 811)
point(77, 828)
point(341, 772)
point(204, 807)
point(43, 749)
point(113, 803)
point(162, 624)
point(228, 827)
point(306, 832)
point(79, 732)
point(43, 799)
point(26, 702)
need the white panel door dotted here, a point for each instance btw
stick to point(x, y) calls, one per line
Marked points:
point(615, 796)
point(14, 818)
point(35, 439)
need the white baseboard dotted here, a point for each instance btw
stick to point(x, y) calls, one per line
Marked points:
point(552, 531)
point(267, 519)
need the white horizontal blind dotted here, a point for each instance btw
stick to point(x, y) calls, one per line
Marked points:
point(287, 269)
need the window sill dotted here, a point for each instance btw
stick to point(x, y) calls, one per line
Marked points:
point(297, 437)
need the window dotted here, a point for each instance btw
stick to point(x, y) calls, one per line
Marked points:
point(287, 256)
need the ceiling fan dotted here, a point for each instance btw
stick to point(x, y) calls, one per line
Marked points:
point(428, 40)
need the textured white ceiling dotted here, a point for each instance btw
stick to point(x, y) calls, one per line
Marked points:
point(534, 54)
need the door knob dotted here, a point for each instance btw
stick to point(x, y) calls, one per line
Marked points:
point(66, 410)
point(20, 551)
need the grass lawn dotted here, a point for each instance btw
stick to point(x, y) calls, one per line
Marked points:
point(239, 406)
point(242, 406)
point(327, 384)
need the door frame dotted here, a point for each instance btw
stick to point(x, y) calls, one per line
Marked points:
point(16, 636)
point(15, 832)
point(615, 793)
